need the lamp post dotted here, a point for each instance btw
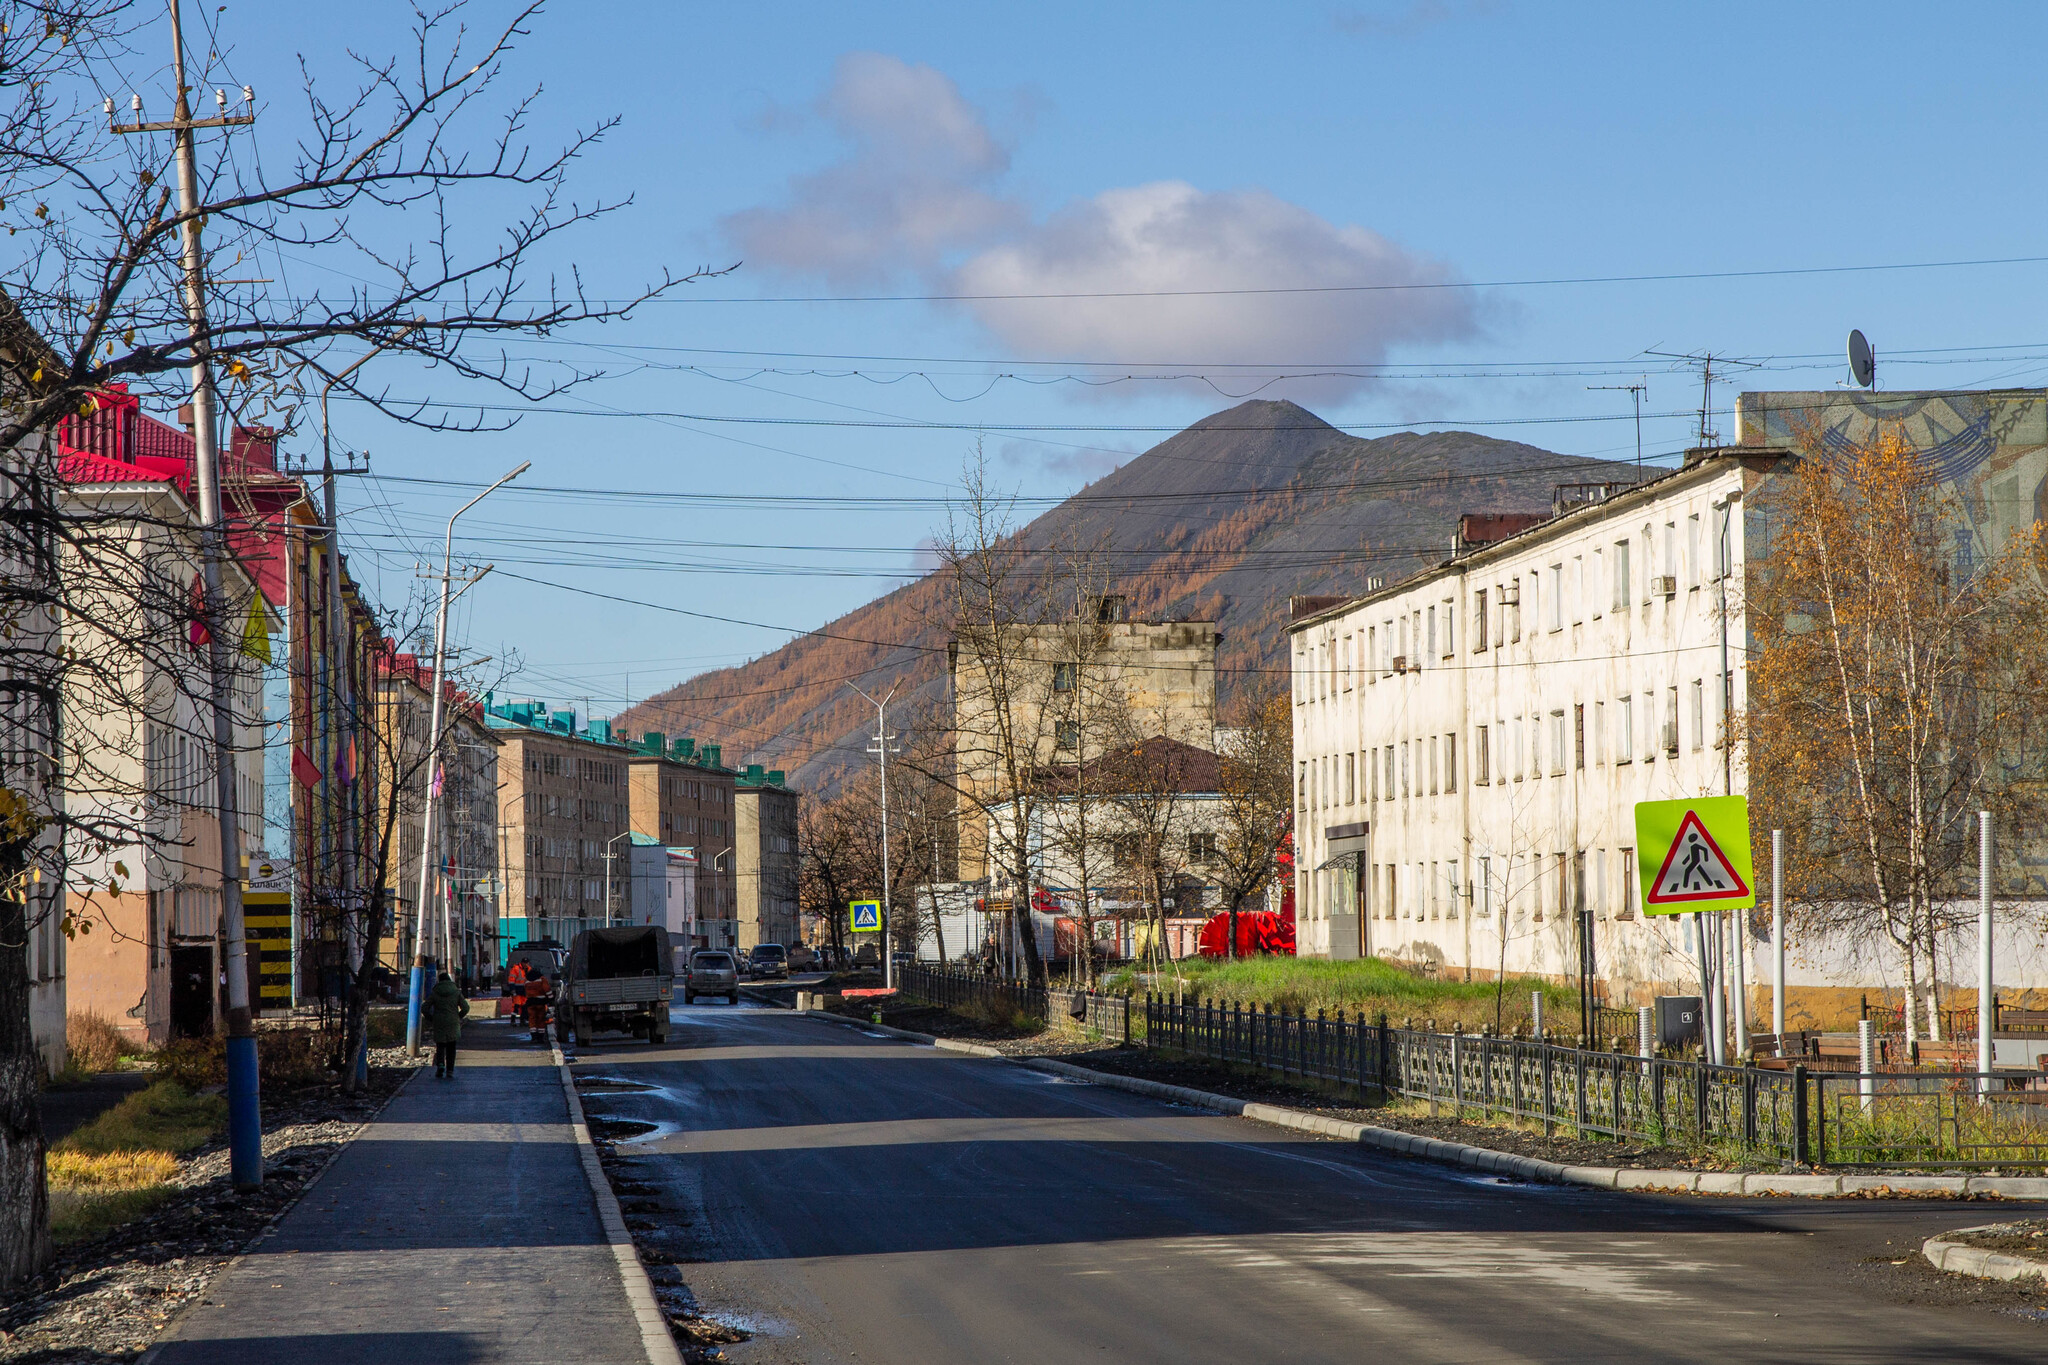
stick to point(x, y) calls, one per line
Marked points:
point(419, 958)
point(608, 856)
point(881, 752)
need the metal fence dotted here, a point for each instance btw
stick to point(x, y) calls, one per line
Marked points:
point(1107, 1017)
point(1916, 1119)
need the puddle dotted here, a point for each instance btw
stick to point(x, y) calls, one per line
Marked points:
point(649, 1132)
point(620, 1130)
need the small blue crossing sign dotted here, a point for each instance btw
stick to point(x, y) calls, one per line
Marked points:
point(867, 916)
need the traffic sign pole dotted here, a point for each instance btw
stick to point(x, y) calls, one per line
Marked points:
point(1693, 858)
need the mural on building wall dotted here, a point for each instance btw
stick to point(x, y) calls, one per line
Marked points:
point(1990, 446)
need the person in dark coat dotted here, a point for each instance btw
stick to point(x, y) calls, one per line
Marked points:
point(445, 1010)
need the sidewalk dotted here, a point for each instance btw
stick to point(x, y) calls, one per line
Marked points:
point(460, 1227)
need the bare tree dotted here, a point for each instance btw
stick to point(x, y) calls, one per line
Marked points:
point(1256, 790)
point(416, 187)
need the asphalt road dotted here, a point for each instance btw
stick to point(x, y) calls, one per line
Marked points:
point(851, 1197)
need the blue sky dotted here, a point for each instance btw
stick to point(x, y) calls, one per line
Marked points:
point(919, 149)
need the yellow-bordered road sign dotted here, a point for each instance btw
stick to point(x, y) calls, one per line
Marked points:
point(867, 916)
point(1694, 855)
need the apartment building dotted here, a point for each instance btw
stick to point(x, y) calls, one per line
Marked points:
point(139, 728)
point(1470, 744)
point(682, 797)
point(564, 800)
point(765, 821)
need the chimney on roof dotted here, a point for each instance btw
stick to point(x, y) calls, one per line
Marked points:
point(1298, 607)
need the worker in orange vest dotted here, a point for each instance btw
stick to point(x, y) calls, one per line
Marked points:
point(515, 987)
point(537, 994)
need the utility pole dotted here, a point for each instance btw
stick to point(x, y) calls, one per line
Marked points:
point(1636, 392)
point(427, 841)
point(880, 749)
point(608, 856)
point(245, 1118)
point(1987, 1001)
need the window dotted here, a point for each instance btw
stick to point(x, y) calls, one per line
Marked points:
point(1671, 721)
point(1722, 550)
point(1599, 732)
point(1597, 906)
point(1201, 846)
point(1300, 674)
point(1372, 654)
point(1063, 677)
point(1347, 663)
point(1621, 584)
point(1579, 736)
point(1431, 650)
point(1692, 551)
point(1500, 618)
point(1481, 757)
point(1535, 602)
point(1301, 787)
point(1068, 735)
point(1671, 550)
point(1628, 888)
point(1479, 621)
point(1350, 779)
point(1557, 749)
point(1521, 753)
point(1483, 889)
point(1387, 650)
point(1404, 767)
point(1390, 772)
point(1557, 597)
point(1699, 710)
point(1373, 769)
point(1596, 579)
point(1575, 584)
point(1624, 730)
point(1450, 628)
point(1450, 762)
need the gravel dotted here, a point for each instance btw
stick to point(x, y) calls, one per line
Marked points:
point(107, 1300)
point(2026, 1238)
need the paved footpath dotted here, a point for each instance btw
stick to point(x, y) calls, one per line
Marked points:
point(460, 1227)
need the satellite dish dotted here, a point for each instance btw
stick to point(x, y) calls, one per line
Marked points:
point(1862, 360)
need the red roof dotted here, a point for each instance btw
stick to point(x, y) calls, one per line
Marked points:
point(78, 466)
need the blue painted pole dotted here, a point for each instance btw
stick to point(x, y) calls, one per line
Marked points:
point(245, 1113)
point(413, 995)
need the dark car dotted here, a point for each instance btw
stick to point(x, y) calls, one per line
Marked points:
point(768, 959)
point(712, 972)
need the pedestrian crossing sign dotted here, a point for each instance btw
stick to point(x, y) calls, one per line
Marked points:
point(867, 916)
point(1694, 855)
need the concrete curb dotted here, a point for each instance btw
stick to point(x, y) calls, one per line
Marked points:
point(654, 1333)
point(1987, 1265)
point(1731, 1183)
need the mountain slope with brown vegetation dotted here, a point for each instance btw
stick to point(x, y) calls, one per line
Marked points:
point(1224, 521)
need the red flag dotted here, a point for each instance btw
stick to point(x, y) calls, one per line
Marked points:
point(345, 765)
point(197, 632)
point(304, 769)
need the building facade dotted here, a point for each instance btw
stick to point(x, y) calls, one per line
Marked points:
point(1470, 744)
point(564, 800)
point(1028, 696)
point(139, 748)
point(683, 798)
point(765, 823)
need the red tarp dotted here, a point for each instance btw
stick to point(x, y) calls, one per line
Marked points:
point(1258, 931)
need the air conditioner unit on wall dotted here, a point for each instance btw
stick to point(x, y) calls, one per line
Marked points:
point(1511, 594)
point(1400, 663)
point(1665, 586)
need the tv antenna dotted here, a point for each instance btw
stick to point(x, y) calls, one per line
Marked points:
point(1862, 360)
point(1706, 361)
point(1635, 391)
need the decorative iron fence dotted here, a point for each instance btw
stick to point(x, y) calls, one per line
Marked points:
point(1103, 1016)
point(953, 988)
point(1917, 1119)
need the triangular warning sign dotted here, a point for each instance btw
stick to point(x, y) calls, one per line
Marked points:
point(1695, 869)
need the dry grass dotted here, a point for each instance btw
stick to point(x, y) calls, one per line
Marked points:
point(74, 1170)
point(94, 1043)
point(165, 1119)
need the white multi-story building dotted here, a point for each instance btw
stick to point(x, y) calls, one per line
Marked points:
point(1471, 743)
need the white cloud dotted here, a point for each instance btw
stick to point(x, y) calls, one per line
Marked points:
point(1087, 462)
point(913, 186)
point(919, 194)
point(1170, 235)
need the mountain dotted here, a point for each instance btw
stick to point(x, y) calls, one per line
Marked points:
point(1224, 521)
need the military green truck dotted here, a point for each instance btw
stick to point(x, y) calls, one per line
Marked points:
point(619, 980)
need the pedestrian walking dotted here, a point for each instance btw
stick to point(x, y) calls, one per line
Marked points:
point(445, 1010)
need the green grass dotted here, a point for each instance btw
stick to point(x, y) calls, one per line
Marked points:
point(163, 1118)
point(1368, 986)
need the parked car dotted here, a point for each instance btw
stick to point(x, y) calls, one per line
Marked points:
point(712, 972)
point(803, 958)
point(768, 959)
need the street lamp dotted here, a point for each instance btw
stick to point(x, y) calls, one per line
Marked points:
point(608, 856)
point(419, 957)
point(881, 752)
